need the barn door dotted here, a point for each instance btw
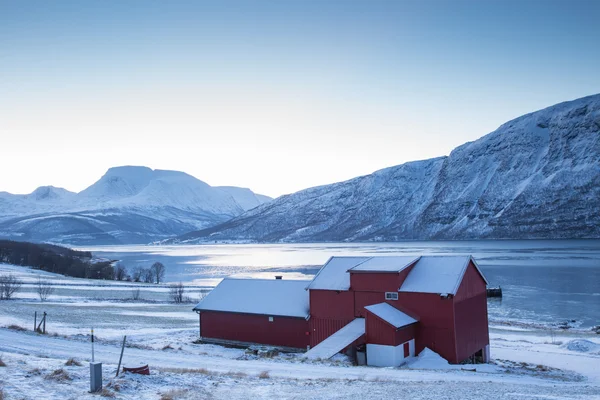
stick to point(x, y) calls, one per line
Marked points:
point(406, 350)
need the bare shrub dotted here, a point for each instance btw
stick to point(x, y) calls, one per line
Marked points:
point(264, 375)
point(9, 284)
point(135, 294)
point(71, 362)
point(174, 394)
point(44, 289)
point(176, 292)
point(2, 363)
point(16, 328)
point(158, 271)
point(107, 393)
point(59, 375)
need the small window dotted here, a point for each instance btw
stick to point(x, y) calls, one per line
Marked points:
point(270, 319)
point(391, 295)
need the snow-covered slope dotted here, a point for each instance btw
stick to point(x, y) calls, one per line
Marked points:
point(127, 205)
point(537, 176)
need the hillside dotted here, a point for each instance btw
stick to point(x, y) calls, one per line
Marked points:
point(537, 176)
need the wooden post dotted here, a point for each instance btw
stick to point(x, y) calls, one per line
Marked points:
point(44, 322)
point(34, 320)
point(121, 358)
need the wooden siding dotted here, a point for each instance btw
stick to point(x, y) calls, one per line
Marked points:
point(283, 331)
point(321, 328)
point(331, 304)
point(471, 325)
point(471, 285)
point(380, 332)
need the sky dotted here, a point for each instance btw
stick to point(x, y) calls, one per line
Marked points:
point(274, 95)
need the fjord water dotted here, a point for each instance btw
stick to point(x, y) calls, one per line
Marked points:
point(544, 281)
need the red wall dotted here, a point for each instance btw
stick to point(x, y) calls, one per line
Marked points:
point(375, 282)
point(331, 304)
point(380, 332)
point(330, 311)
point(471, 285)
point(283, 331)
point(435, 329)
point(362, 299)
point(471, 317)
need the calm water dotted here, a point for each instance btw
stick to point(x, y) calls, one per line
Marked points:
point(543, 281)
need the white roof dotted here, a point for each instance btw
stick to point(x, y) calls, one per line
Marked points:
point(338, 341)
point(437, 274)
point(385, 264)
point(277, 297)
point(391, 315)
point(334, 274)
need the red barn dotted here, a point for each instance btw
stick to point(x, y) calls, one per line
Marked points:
point(397, 306)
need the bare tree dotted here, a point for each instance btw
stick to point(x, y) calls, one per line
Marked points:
point(148, 276)
point(9, 284)
point(158, 271)
point(137, 274)
point(176, 292)
point(44, 289)
point(120, 272)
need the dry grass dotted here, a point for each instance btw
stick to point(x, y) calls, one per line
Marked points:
point(264, 375)
point(2, 363)
point(59, 375)
point(168, 347)
point(35, 371)
point(202, 371)
point(1, 394)
point(174, 394)
point(107, 393)
point(71, 362)
point(16, 328)
point(236, 374)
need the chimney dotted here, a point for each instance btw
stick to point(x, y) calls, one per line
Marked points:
point(278, 277)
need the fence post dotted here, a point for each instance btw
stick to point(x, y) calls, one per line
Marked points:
point(34, 320)
point(44, 322)
point(120, 358)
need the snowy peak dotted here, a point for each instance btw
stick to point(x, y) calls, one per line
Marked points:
point(49, 193)
point(128, 204)
point(120, 182)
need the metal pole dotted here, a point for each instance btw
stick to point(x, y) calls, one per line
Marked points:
point(93, 345)
point(121, 358)
point(34, 320)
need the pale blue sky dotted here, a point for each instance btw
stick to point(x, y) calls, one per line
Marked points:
point(274, 95)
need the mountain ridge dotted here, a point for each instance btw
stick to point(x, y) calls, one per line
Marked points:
point(128, 204)
point(536, 176)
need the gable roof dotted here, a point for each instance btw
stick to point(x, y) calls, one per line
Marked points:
point(276, 297)
point(438, 274)
point(385, 264)
point(391, 315)
point(334, 274)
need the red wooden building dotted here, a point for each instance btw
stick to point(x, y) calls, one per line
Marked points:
point(396, 306)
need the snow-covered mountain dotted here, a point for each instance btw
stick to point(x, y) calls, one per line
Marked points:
point(537, 176)
point(127, 205)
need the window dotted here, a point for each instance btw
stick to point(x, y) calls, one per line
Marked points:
point(270, 319)
point(391, 295)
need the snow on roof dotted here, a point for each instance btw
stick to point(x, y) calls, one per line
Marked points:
point(277, 297)
point(391, 315)
point(385, 264)
point(437, 274)
point(334, 274)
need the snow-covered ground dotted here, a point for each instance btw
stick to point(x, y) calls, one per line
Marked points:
point(528, 363)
